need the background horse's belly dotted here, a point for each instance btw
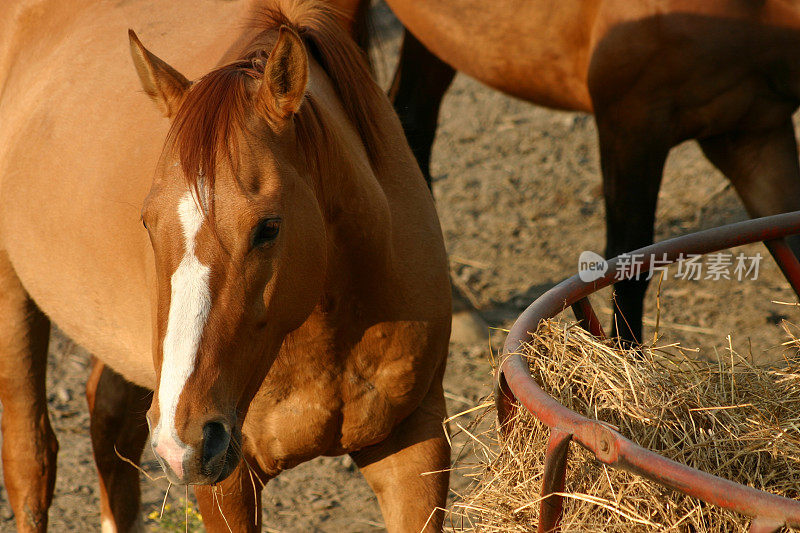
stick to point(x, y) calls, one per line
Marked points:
point(78, 147)
point(538, 51)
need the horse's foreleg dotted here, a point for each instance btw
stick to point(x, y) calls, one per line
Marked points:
point(235, 503)
point(118, 428)
point(632, 161)
point(763, 168)
point(419, 84)
point(29, 444)
point(397, 469)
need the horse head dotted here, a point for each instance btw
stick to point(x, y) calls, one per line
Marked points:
point(239, 245)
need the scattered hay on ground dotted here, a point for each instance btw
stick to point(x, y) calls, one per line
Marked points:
point(731, 419)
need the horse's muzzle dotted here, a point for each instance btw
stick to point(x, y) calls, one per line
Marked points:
point(210, 461)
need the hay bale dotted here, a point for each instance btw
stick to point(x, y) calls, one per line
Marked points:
point(731, 419)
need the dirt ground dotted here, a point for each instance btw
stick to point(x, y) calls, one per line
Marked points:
point(518, 192)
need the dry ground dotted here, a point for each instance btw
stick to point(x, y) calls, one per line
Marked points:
point(518, 191)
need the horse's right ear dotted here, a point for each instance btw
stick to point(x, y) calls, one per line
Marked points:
point(162, 83)
point(285, 77)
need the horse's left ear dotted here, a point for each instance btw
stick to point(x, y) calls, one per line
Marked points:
point(162, 83)
point(285, 77)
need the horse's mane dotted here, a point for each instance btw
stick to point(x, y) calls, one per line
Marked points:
point(214, 112)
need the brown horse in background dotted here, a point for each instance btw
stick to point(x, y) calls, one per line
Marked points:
point(289, 295)
point(724, 72)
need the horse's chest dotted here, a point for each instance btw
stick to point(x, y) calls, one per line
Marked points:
point(329, 406)
point(316, 421)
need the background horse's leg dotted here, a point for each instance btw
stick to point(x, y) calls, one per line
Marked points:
point(393, 468)
point(632, 157)
point(234, 503)
point(419, 84)
point(117, 411)
point(29, 444)
point(763, 168)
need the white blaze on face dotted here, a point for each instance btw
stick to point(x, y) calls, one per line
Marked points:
point(188, 312)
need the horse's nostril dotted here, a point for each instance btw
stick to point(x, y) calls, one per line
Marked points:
point(215, 441)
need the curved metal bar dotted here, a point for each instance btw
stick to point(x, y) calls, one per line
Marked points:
point(555, 473)
point(768, 510)
point(584, 312)
point(788, 263)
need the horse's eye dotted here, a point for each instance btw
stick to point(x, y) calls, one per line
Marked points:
point(265, 232)
point(144, 224)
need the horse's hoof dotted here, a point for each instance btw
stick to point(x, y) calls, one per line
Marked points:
point(469, 328)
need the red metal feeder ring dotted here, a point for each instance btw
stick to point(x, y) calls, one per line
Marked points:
point(515, 384)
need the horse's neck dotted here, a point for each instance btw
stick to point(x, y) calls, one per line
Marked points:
point(358, 260)
point(358, 222)
point(354, 202)
point(380, 211)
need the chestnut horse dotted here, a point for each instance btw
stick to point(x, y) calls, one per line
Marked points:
point(289, 296)
point(724, 72)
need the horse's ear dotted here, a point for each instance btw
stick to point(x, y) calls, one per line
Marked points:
point(162, 83)
point(285, 77)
